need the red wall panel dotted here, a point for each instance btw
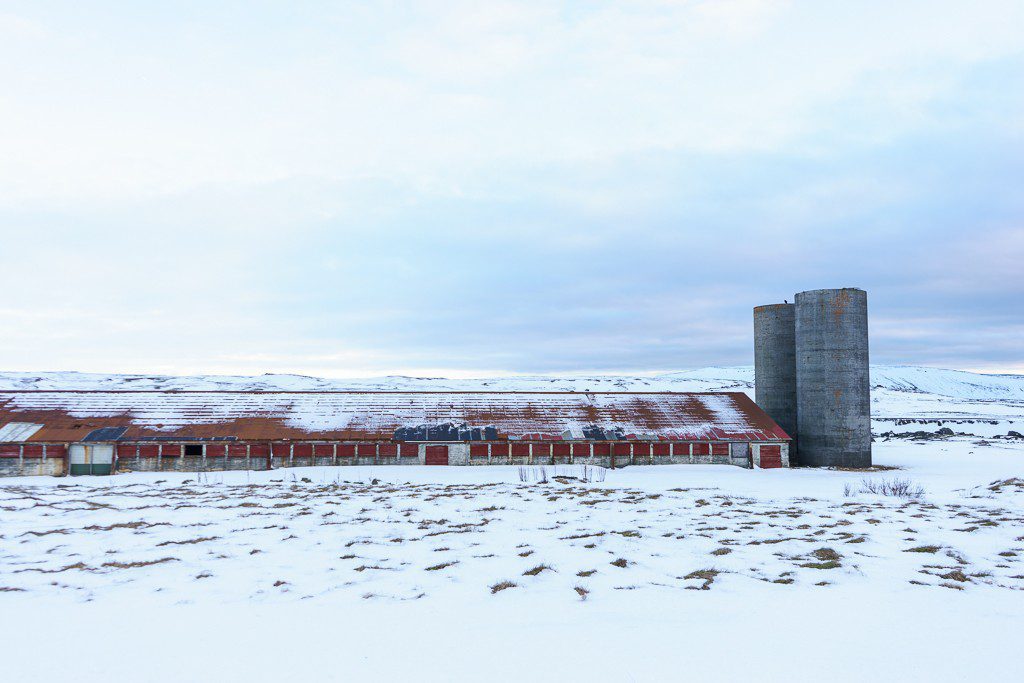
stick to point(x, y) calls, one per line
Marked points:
point(478, 450)
point(771, 456)
point(581, 450)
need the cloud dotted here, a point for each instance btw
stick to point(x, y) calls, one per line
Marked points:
point(505, 187)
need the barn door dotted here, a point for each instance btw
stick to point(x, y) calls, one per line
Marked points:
point(87, 458)
point(436, 455)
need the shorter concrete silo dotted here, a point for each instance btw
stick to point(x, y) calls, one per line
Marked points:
point(832, 376)
point(775, 367)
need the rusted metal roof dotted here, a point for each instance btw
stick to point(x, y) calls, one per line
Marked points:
point(402, 415)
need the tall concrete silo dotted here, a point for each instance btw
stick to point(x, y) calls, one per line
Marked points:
point(775, 367)
point(832, 382)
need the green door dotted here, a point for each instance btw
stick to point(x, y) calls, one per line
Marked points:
point(95, 459)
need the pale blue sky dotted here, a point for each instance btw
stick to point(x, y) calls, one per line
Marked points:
point(480, 188)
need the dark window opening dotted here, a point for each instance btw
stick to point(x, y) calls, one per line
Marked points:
point(193, 449)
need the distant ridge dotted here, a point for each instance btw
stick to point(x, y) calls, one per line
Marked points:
point(903, 379)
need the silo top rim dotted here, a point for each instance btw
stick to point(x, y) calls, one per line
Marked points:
point(823, 291)
point(768, 307)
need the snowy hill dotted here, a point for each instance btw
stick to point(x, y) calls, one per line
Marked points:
point(955, 384)
point(899, 393)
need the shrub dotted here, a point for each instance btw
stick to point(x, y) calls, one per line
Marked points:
point(897, 488)
point(533, 475)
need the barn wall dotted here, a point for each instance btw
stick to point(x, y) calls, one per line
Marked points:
point(13, 467)
point(31, 459)
point(26, 459)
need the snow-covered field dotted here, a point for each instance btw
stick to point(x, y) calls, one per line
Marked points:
point(653, 573)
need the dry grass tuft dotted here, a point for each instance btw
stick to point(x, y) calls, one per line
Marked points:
point(437, 567)
point(191, 541)
point(141, 563)
point(827, 555)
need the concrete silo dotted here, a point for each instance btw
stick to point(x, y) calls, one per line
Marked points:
point(832, 378)
point(775, 367)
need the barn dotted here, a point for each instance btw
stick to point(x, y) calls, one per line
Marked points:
point(102, 432)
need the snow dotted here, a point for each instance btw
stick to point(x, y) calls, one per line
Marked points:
point(386, 573)
point(645, 415)
point(895, 378)
point(383, 572)
point(980, 404)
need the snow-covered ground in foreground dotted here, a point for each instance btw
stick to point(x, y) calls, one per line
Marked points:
point(384, 573)
point(684, 572)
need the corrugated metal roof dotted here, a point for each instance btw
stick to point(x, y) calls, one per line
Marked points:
point(72, 415)
point(18, 431)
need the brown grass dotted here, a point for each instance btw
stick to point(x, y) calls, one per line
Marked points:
point(537, 570)
point(437, 567)
point(191, 541)
point(140, 563)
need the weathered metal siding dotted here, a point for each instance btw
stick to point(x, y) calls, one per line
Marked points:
point(833, 384)
point(775, 363)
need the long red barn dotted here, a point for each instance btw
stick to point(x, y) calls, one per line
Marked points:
point(56, 432)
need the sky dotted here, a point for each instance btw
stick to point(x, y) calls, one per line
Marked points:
point(474, 189)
